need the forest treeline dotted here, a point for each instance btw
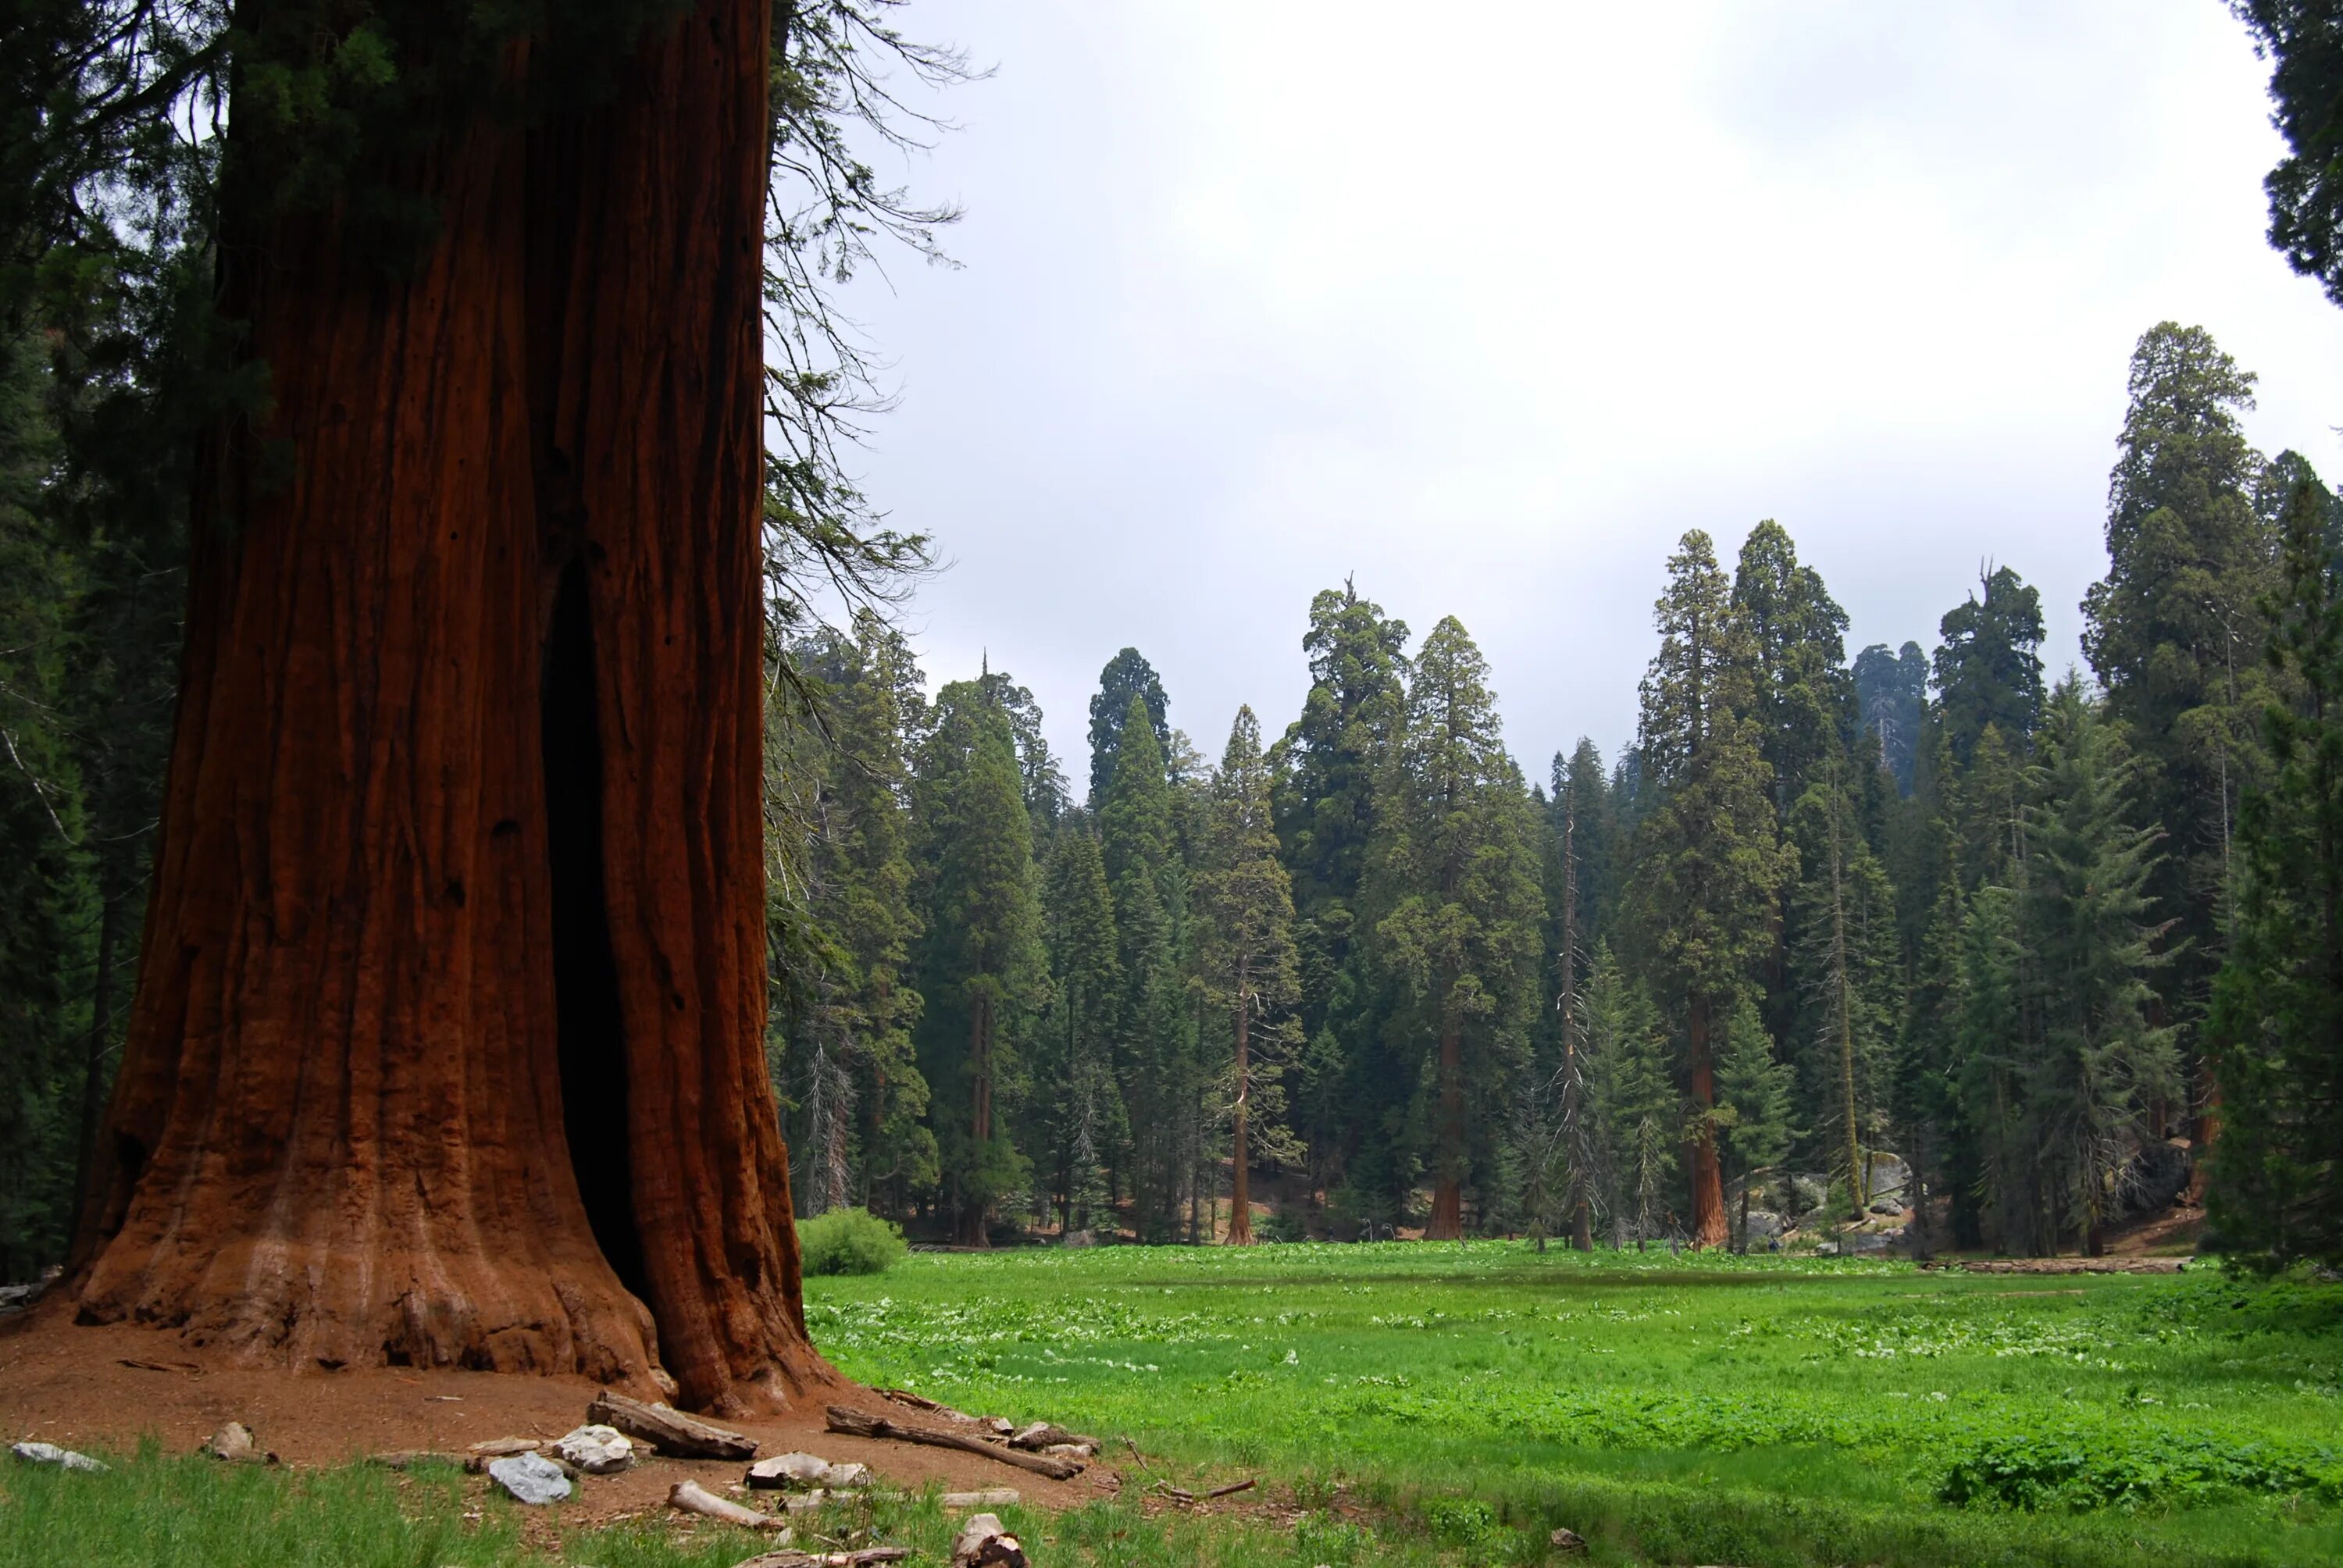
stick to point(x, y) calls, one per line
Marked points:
point(2034, 935)
point(1934, 902)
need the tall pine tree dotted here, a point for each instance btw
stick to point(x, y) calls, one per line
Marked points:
point(983, 968)
point(2277, 1024)
point(1708, 866)
point(1247, 954)
point(1465, 919)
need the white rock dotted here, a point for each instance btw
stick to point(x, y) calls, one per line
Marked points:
point(50, 1454)
point(530, 1478)
point(789, 1470)
point(598, 1450)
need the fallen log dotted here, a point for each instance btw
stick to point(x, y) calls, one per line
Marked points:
point(1043, 1436)
point(1233, 1487)
point(859, 1424)
point(691, 1497)
point(409, 1458)
point(673, 1431)
point(856, 1558)
point(2074, 1265)
point(991, 1497)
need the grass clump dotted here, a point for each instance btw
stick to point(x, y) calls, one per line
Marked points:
point(849, 1241)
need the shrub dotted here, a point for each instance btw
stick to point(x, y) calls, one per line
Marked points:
point(2076, 1473)
point(849, 1241)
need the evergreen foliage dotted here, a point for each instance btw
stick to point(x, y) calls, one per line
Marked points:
point(1246, 958)
point(1462, 912)
point(1126, 676)
point(1892, 692)
point(983, 972)
point(2174, 628)
point(1709, 865)
point(2276, 1023)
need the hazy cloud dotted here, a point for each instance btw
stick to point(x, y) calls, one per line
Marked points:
point(1488, 314)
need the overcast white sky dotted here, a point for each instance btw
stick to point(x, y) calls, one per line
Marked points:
point(1487, 306)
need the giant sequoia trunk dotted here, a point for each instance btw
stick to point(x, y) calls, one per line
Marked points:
point(1708, 1226)
point(1447, 1221)
point(447, 1044)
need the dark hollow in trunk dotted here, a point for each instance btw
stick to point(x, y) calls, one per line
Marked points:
point(447, 1046)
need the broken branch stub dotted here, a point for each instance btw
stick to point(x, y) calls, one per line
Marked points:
point(673, 1431)
point(858, 1424)
point(984, 1544)
point(691, 1497)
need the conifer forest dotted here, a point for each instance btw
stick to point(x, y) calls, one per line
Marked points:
point(2031, 951)
point(1826, 908)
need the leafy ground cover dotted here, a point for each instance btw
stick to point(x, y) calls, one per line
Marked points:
point(1415, 1404)
point(1670, 1409)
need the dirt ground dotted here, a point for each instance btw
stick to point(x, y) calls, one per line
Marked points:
point(107, 1387)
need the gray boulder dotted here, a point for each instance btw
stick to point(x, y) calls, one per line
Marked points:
point(1763, 1224)
point(1888, 1177)
point(530, 1478)
point(1810, 1191)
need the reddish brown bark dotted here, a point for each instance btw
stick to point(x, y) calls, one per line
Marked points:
point(1240, 1188)
point(1708, 1225)
point(1447, 1221)
point(447, 1044)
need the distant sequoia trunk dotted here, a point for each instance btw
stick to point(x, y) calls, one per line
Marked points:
point(447, 1044)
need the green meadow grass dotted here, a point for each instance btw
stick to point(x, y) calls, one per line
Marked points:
point(1426, 1404)
point(1670, 1409)
point(188, 1512)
